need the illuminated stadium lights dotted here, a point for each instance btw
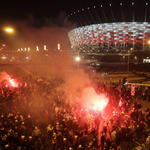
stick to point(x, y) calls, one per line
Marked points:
point(120, 33)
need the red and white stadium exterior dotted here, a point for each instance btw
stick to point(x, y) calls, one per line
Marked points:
point(109, 33)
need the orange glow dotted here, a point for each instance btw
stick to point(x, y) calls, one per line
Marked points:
point(13, 83)
point(10, 30)
point(77, 58)
point(58, 46)
point(93, 101)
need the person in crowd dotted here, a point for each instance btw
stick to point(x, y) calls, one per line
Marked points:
point(69, 126)
point(36, 133)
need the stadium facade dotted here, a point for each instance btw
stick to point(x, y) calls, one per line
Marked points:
point(111, 35)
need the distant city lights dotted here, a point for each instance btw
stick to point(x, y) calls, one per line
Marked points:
point(58, 46)
point(37, 48)
point(3, 57)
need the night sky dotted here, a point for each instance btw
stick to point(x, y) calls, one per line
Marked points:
point(40, 17)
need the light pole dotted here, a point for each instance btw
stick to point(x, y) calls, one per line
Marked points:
point(128, 61)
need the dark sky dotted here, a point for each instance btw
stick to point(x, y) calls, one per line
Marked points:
point(11, 10)
point(44, 18)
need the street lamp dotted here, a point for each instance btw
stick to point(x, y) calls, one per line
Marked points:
point(9, 30)
point(128, 61)
point(77, 58)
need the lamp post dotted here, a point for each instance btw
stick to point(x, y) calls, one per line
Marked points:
point(128, 61)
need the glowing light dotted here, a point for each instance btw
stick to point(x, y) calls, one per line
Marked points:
point(100, 106)
point(120, 3)
point(4, 57)
point(18, 49)
point(37, 48)
point(28, 48)
point(146, 3)
point(21, 49)
point(149, 42)
point(92, 101)
point(3, 45)
point(12, 83)
point(77, 58)
point(9, 30)
point(58, 46)
point(25, 49)
point(45, 47)
point(109, 4)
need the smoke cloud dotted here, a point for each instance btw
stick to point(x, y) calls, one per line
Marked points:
point(50, 32)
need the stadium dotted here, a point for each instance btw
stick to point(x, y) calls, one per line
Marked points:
point(110, 41)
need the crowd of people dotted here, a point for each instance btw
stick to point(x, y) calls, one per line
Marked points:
point(40, 117)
